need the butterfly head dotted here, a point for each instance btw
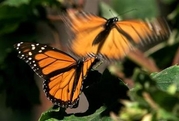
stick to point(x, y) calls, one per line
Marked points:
point(110, 22)
point(80, 62)
point(115, 19)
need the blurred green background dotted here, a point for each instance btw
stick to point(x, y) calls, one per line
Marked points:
point(33, 21)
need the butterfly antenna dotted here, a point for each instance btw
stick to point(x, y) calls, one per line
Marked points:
point(134, 9)
point(111, 12)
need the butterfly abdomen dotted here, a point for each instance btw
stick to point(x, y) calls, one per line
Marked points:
point(79, 69)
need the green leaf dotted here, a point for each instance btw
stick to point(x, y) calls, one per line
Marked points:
point(47, 116)
point(93, 117)
point(163, 114)
point(8, 28)
point(15, 3)
point(106, 11)
point(11, 17)
point(132, 110)
point(167, 77)
point(56, 114)
point(136, 9)
point(9, 13)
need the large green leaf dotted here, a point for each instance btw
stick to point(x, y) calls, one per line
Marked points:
point(167, 77)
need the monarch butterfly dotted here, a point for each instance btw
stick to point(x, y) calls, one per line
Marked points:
point(111, 37)
point(63, 75)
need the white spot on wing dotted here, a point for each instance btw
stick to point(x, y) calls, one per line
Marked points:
point(18, 44)
point(30, 53)
point(43, 48)
point(33, 47)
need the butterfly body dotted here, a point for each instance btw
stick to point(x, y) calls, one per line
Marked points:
point(100, 38)
point(111, 22)
point(63, 75)
point(79, 69)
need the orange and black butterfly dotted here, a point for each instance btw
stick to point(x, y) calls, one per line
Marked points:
point(63, 75)
point(111, 37)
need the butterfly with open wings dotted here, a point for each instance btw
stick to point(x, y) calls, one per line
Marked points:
point(63, 75)
point(110, 37)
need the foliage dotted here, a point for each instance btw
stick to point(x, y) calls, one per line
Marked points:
point(93, 117)
point(155, 97)
point(136, 9)
point(18, 23)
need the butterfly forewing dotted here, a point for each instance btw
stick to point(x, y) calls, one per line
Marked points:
point(43, 59)
point(90, 21)
point(85, 44)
